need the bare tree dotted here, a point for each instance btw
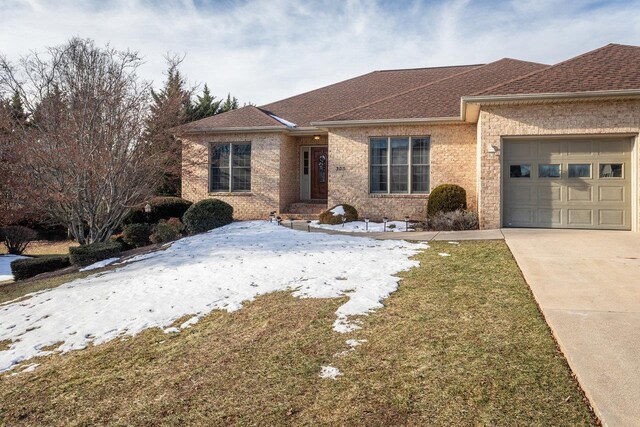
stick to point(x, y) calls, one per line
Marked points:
point(81, 157)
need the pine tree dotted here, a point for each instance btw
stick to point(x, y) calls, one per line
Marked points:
point(16, 109)
point(205, 106)
point(171, 107)
point(229, 104)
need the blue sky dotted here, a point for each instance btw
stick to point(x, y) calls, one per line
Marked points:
point(262, 51)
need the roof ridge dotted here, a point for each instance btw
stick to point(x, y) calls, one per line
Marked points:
point(428, 68)
point(422, 87)
point(314, 90)
point(543, 69)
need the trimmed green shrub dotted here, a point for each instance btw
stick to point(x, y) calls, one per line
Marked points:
point(26, 268)
point(119, 238)
point(446, 198)
point(334, 216)
point(161, 208)
point(206, 215)
point(16, 238)
point(167, 230)
point(453, 221)
point(89, 254)
point(137, 235)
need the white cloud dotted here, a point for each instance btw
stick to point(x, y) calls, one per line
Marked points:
point(266, 50)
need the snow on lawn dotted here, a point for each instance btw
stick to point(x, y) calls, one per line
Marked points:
point(360, 226)
point(99, 264)
point(217, 270)
point(5, 266)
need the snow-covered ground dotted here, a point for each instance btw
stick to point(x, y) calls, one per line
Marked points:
point(361, 226)
point(217, 270)
point(5, 266)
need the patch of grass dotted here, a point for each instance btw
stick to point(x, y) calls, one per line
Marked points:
point(46, 247)
point(460, 343)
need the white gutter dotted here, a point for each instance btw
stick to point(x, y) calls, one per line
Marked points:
point(472, 116)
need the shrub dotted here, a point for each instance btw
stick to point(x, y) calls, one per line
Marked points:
point(161, 208)
point(167, 230)
point(206, 215)
point(89, 254)
point(137, 235)
point(25, 268)
point(453, 221)
point(335, 215)
point(446, 198)
point(119, 238)
point(16, 238)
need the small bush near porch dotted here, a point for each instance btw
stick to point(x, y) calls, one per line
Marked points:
point(460, 343)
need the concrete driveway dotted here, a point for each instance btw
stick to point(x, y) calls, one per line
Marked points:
point(587, 284)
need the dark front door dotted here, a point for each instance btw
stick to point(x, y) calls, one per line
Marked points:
point(319, 172)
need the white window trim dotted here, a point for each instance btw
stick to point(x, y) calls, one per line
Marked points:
point(230, 144)
point(409, 165)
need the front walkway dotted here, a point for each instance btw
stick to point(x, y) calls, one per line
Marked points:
point(418, 236)
point(587, 284)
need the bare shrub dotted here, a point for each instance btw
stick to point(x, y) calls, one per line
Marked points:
point(16, 238)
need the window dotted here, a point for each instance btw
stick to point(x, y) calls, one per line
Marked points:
point(610, 170)
point(549, 171)
point(399, 165)
point(579, 170)
point(520, 171)
point(230, 167)
point(305, 163)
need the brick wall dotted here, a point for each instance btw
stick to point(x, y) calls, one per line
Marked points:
point(265, 172)
point(577, 118)
point(453, 160)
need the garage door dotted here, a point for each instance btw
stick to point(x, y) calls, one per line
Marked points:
point(569, 183)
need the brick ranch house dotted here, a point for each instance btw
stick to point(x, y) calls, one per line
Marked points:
point(533, 145)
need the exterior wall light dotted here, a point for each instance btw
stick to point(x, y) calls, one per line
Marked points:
point(493, 150)
point(272, 216)
point(316, 137)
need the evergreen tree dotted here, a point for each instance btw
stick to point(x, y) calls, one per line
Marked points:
point(229, 104)
point(205, 106)
point(16, 109)
point(171, 107)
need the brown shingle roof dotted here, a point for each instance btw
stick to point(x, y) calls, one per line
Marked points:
point(441, 98)
point(336, 98)
point(248, 116)
point(611, 67)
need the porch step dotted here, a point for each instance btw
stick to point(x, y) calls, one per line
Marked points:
point(304, 210)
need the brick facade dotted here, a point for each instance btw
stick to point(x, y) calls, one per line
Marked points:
point(455, 158)
point(453, 161)
point(577, 118)
point(265, 172)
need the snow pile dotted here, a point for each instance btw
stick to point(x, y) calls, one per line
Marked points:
point(287, 123)
point(5, 266)
point(444, 254)
point(330, 372)
point(217, 270)
point(338, 210)
point(360, 226)
point(99, 264)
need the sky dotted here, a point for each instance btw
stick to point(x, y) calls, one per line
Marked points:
point(265, 50)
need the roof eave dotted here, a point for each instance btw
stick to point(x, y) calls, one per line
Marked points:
point(470, 105)
point(387, 122)
point(253, 129)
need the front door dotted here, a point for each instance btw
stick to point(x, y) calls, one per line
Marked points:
point(319, 172)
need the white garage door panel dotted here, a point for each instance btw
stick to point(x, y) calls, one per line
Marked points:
point(567, 183)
